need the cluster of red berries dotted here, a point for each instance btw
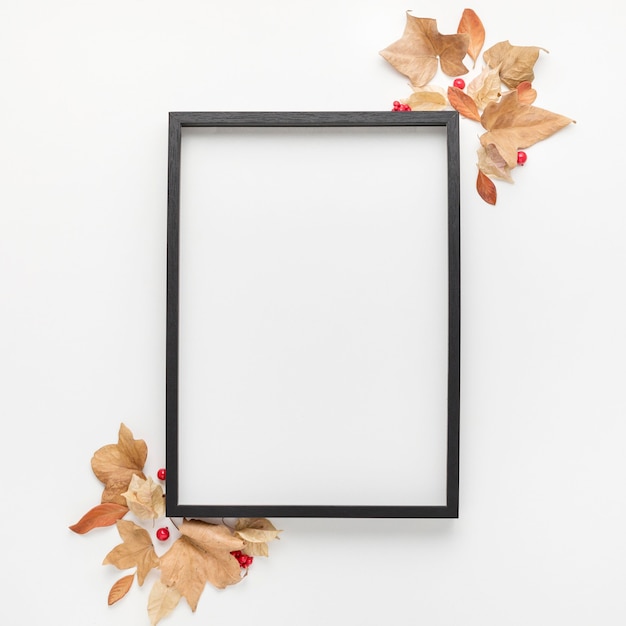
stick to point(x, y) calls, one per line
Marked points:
point(398, 106)
point(244, 560)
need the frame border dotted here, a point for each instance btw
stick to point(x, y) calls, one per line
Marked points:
point(180, 120)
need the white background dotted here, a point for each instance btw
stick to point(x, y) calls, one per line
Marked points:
point(86, 88)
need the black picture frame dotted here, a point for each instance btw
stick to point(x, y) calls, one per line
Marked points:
point(283, 120)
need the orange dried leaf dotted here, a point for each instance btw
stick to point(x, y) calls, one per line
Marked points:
point(516, 63)
point(463, 104)
point(470, 23)
point(486, 189)
point(525, 93)
point(120, 588)
point(102, 515)
point(417, 52)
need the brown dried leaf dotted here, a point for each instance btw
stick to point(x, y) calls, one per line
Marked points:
point(463, 104)
point(102, 515)
point(201, 555)
point(525, 93)
point(491, 163)
point(514, 126)
point(120, 589)
point(428, 99)
point(470, 23)
point(115, 464)
point(485, 87)
point(486, 189)
point(256, 533)
point(415, 53)
point(145, 498)
point(516, 62)
point(162, 601)
point(135, 551)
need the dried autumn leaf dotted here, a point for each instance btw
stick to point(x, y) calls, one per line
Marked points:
point(428, 99)
point(491, 163)
point(525, 93)
point(202, 554)
point(115, 464)
point(463, 104)
point(162, 601)
point(120, 589)
point(415, 53)
point(470, 23)
point(513, 125)
point(145, 498)
point(256, 533)
point(485, 87)
point(486, 189)
point(102, 515)
point(516, 63)
point(135, 551)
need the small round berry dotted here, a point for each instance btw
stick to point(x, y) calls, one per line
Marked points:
point(163, 534)
point(522, 157)
point(396, 104)
point(459, 83)
point(161, 474)
point(236, 553)
point(249, 561)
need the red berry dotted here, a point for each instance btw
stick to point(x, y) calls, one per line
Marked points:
point(163, 534)
point(396, 104)
point(521, 157)
point(236, 553)
point(459, 83)
point(161, 474)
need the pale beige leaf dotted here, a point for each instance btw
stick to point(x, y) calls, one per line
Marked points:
point(120, 589)
point(485, 87)
point(135, 551)
point(470, 23)
point(491, 163)
point(145, 498)
point(516, 63)
point(256, 529)
point(255, 549)
point(428, 99)
point(162, 601)
point(102, 515)
point(115, 464)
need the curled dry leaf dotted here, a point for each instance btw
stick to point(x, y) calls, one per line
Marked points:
point(415, 54)
point(145, 498)
point(256, 533)
point(120, 589)
point(135, 551)
point(162, 601)
point(516, 63)
point(428, 99)
point(463, 103)
point(470, 23)
point(115, 464)
point(102, 515)
point(485, 87)
point(491, 163)
point(486, 189)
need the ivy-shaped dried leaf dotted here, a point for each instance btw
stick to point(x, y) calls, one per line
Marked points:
point(516, 63)
point(162, 601)
point(463, 104)
point(417, 52)
point(470, 23)
point(102, 515)
point(485, 87)
point(120, 589)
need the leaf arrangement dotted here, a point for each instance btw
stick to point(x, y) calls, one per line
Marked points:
point(509, 117)
point(202, 553)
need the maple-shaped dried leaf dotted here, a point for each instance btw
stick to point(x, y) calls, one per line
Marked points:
point(145, 498)
point(102, 515)
point(256, 533)
point(492, 163)
point(162, 601)
point(427, 99)
point(516, 63)
point(135, 551)
point(486, 189)
point(120, 589)
point(115, 464)
point(513, 125)
point(470, 23)
point(463, 104)
point(416, 53)
point(202, 554)
point(485, 87)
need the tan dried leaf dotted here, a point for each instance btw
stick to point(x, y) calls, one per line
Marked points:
point(470, 23)
point(485, 87)
point(135, 551)
point(115, 464)
point(463, 104)
point(162, 601)
point(102, 515)
point(120, 589)
point(486, 189)
point(415, 54)
point(256, 533)
point(514, 126)
point(145, 498)
point(516, 63)
point(202, 554)
point(491, 163)
point(428, 99)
